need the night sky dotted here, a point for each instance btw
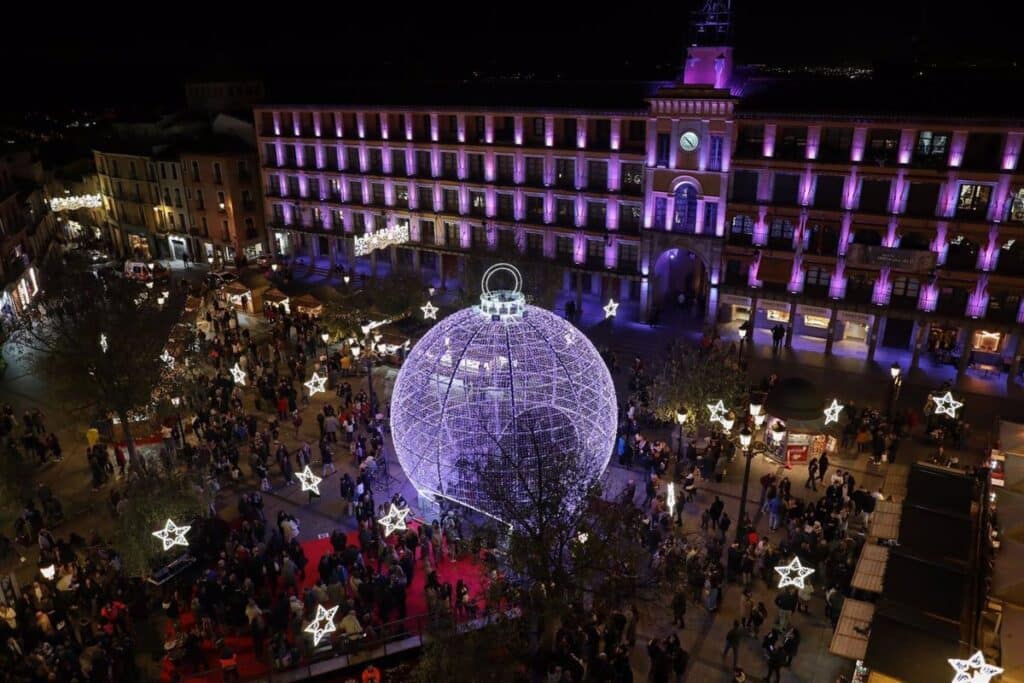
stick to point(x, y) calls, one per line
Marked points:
point(86, 58)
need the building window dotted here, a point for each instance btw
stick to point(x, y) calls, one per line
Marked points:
point(452, 235)
point(535, 243)
point(785, 188)
point(629, 256)
point(505, 165)
point(538, 127)
point(882, 146)
point(874, 195)
point(781, 229)
point(505, 210)
point(564, 248)
point(448, 165)
point(427, 232)
point(217, 178)
point(742, 225)
point(684, 219)
point(1017, 206)
point(398, 162)
point(660, 212)
point(715, 145)
point(565, 212)
point(629, 217)
point(817, 277)
point(710, 217)
point(906, 287)
point(973, 201)
point(664, 144)
point(597, 175)
point(476, 166)
point(478, 235)
point(597, 214)
point(535, 170)
point(931, 148)
point(637, 130)
point(534, 209)
point(377, 193)
point(986, 341)
point(565, 173)
point(195, 171)
point(425, 198)
point(451, 200)
point(632, 178)
point(595, 252)
point(477, 203)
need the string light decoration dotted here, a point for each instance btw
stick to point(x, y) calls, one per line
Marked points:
point(75, 202)
point(316, 384)
point(493, 387)
point(381, 239)
point(172, 535)
point(103, 343)
point(394, 520)
point(718, 411)
point(322, 624)
point(238, 374)
point(947, 405)
point(974, 670)
point(832, 412)
point(611, 309)
point(793, 574)
point(309, 481)
point(167, 358)
point(429, 311)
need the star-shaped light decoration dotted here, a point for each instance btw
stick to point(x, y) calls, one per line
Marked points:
point(947, 405)
point(238, 374)
point(793, 574)
point(316, 384)
point(611, 308)
point(167, 358)
point(103, 342)
point(323, 624)
point(718, 411)
point(394, 520)
point(172, 535)
point(429, 311)
point(832, 412)
point(309, 481)
point(670, 499)
point(983, 672)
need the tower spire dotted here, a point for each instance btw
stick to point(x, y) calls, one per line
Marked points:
point(709, 57)
point(712, 23)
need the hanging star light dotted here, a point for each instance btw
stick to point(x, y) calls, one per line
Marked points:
point(238, 374)
point(316, 384)
point(429, 311)
point(103, 342)
point(983, 672)
point(172, 535)
point(309, 481)
point(670, 499)
point(167, 358)
point(832, 412)
point(394, 520)
point(323, 624)
point(611, 309)
point(793, 574)
point(718, 411)
point(947, 405)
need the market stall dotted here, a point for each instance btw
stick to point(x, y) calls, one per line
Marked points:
point(795, 429)
point(238, 295)
point(275, 298)
point(307, 304)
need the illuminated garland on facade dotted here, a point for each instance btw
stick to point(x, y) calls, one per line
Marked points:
point(75, 202)
point(388, 237)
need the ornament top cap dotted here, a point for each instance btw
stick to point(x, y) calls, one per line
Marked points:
point(502, 304)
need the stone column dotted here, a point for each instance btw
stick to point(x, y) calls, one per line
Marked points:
point(1015, 362)
point(830, 336)
point(791, 325)
point(917, 342)
point(873, 335)
point(965, 352)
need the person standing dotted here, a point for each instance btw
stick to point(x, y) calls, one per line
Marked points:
point(822, 467)
point(812, 473)
point(679, 609)
point(732, 642)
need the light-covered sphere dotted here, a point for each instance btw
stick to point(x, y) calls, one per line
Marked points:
point(504, 387)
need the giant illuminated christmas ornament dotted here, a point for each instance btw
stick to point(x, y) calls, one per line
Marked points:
point(832, 412)
point(505, 389)
point(974, 670)
point(394, 520)
point(323, 624)
point(946, 405)
point(793, 574)
point(172, 535)
point(316, 384)
point(309, 481)
point(238, 374)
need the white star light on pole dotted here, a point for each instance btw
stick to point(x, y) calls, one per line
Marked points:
point(429, 311)
point(316, 384)
point(238, 374)
point(394, 520)
point(793, 574)
point(167, 358)
point(982, 672)
point(323, 624)
point(611, 308)
point(947, 405)
point(172, 535)
point(718, 411)
point(309, 481)
point(832, 412)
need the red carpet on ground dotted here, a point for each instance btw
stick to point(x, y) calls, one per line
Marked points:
point(249, 667)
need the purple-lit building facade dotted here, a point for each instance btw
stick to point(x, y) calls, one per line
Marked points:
point(854, 231)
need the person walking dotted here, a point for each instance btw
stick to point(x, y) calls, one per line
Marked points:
point(732, 642)
point(812, 473)
point(822, 467)
point(679, 609)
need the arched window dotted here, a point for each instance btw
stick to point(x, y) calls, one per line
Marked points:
point(685, 217)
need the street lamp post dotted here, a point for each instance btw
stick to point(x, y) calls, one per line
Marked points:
point(743, 341)
point(745, 439)
point(681, 420)
point(896, 373)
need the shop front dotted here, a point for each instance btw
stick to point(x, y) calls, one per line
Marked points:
point(812, 323)
point(282, 242)
point(139, 247)
point(795, 428)
point(854, 329)
point(177, 246)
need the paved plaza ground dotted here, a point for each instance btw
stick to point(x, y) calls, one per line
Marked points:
point(846, 378)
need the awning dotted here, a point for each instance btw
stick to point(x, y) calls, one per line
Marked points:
point(885, 522)
point(846, 641)
point(894, 486)
point(274, 296)
point(308, 304)
point(235, 289)
point(870, 572)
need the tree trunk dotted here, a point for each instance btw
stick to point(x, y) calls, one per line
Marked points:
point(126, 429)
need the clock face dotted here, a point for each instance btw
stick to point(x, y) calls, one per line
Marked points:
point(689, 141)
